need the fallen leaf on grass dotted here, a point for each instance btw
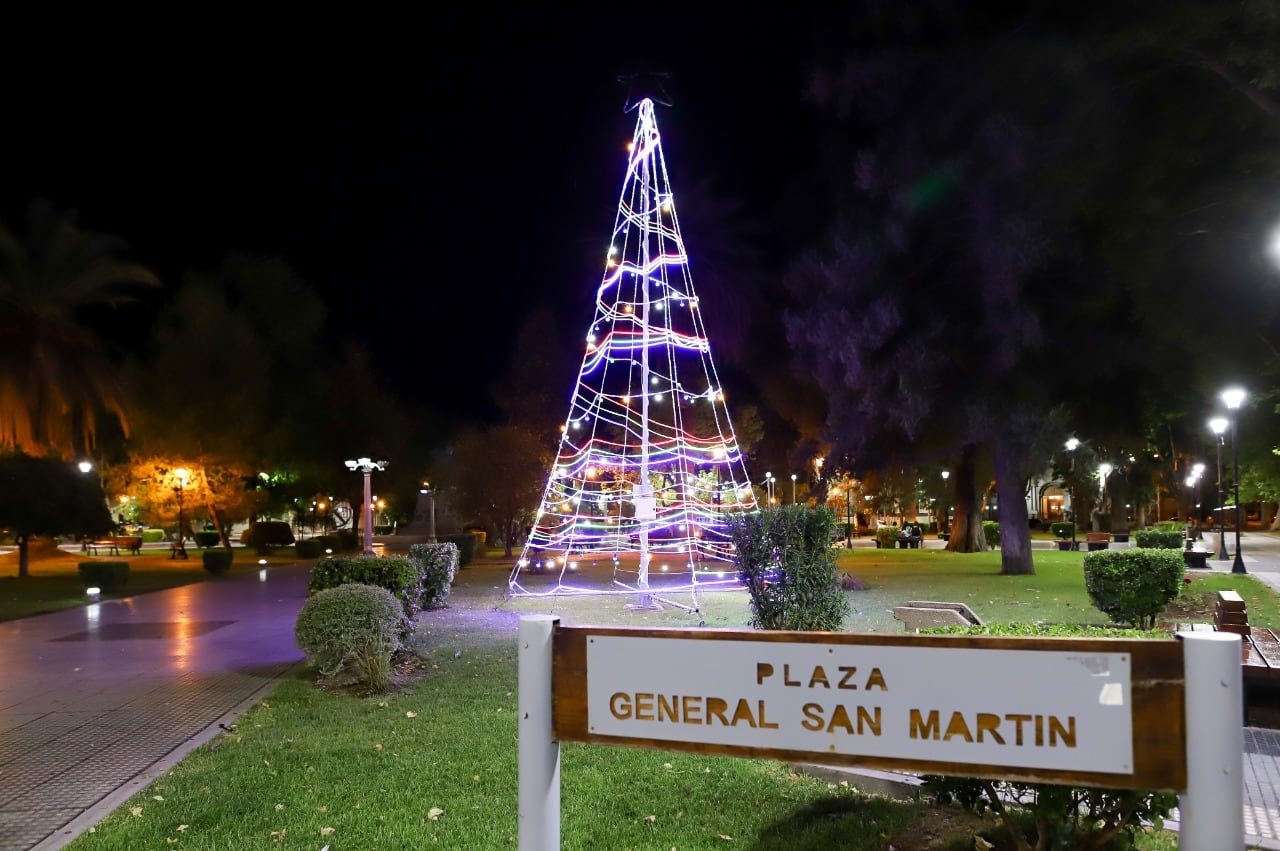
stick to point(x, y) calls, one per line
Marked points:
point(651, 819)
point(136, 812)
point(157, 798)
point(182, 827)
point(169, 840)
point(980, 844)
point(377, 747)
point(411, 715)
point(325, 831)
point(434, 813)
point(724, 836)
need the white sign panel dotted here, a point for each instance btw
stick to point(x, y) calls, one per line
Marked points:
point(1043, 709)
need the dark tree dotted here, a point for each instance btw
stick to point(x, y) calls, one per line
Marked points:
point(48, 496)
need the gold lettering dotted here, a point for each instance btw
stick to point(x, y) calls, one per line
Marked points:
point(716, 707)
point(957, 727)
point(764, 725)
point(840, 718)
point(644, 707)
point(691, 709)
point(876, 679)
point(1039, 731)
point(743, 713)
point(819, 676)
point(786, 677)
point(812, 717)
point(848, 675)
point(871, 721)
point(989, 722)
point(620, 706)
point(763, 671)
point(1056, 730)
point(1018, 721)
point(668, 710)
point(922, 729)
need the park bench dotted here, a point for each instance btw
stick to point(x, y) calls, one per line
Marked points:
point(1259, 648)
point(132, 543)
point(924, 614)
point(1097, 540)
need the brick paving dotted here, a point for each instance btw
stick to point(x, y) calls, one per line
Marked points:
point(94, 702)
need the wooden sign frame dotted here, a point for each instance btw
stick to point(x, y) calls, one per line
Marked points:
point(1157, 682)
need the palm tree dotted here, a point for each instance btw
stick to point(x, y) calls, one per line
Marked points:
point(56, 382)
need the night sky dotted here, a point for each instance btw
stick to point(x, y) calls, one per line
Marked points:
point(432, 181)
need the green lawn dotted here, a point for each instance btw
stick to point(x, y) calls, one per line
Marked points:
point(54, 583)
point(435, 765)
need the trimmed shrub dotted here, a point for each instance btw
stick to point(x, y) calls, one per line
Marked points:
point(1133, 586)
point(397, 574)
point(264, 534)
point(887, 537)
point(206, 539)
point(1170, 526)
point(152, 536)
point(346, 541)
point(783, 557)
point(328, 543)
point(217, 561)
point(466, 544)
point(1157, 539)
point(1062, 531)
point(107, 575)
point(309, 548)
point(352, 629)
point(437, 565)
point(991, 531)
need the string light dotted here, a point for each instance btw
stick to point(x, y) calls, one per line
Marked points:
point(641, 476)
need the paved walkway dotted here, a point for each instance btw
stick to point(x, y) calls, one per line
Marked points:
point(95, 702)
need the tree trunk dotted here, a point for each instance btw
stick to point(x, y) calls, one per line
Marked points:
point(1015, 532)
point(966, 531)
point(24, 555)
point(1118, 489)
point(217, 523)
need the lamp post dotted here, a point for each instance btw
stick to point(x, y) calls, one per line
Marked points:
point(1071, 448)
point(793, 488)
point(1234, 397)
point(367, 467)
point(431, 510)
point(942, 520)
point(768, 486)
point(180, 546)
point(1218, 425)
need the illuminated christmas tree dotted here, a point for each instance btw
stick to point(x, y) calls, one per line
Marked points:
point(648, 465)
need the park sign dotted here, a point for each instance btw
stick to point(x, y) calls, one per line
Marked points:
point(1114, 713)
point(1099, 712)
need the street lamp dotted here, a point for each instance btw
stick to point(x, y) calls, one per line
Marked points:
point(1233, 397)
point(793, 488)
point(431, 510)
point(180, 546)
point(367, 467)
point(1072, 444)
point(768, 486)
point(1218, 425)
point(1104, 470)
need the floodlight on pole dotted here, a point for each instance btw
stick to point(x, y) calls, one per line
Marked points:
point(180, 475)
point(367, 466)
point(1073, 444)
point(1218, 425)
point(793, 488)
point(1233, 398)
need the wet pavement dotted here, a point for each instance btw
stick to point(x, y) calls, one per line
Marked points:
point(94, 702)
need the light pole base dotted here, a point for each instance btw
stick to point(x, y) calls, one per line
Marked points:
point(1238, 566)
point(1222, 546)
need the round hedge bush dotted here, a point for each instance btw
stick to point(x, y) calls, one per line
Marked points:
point(341, 627)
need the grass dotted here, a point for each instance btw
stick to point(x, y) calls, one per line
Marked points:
point(435, 764)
